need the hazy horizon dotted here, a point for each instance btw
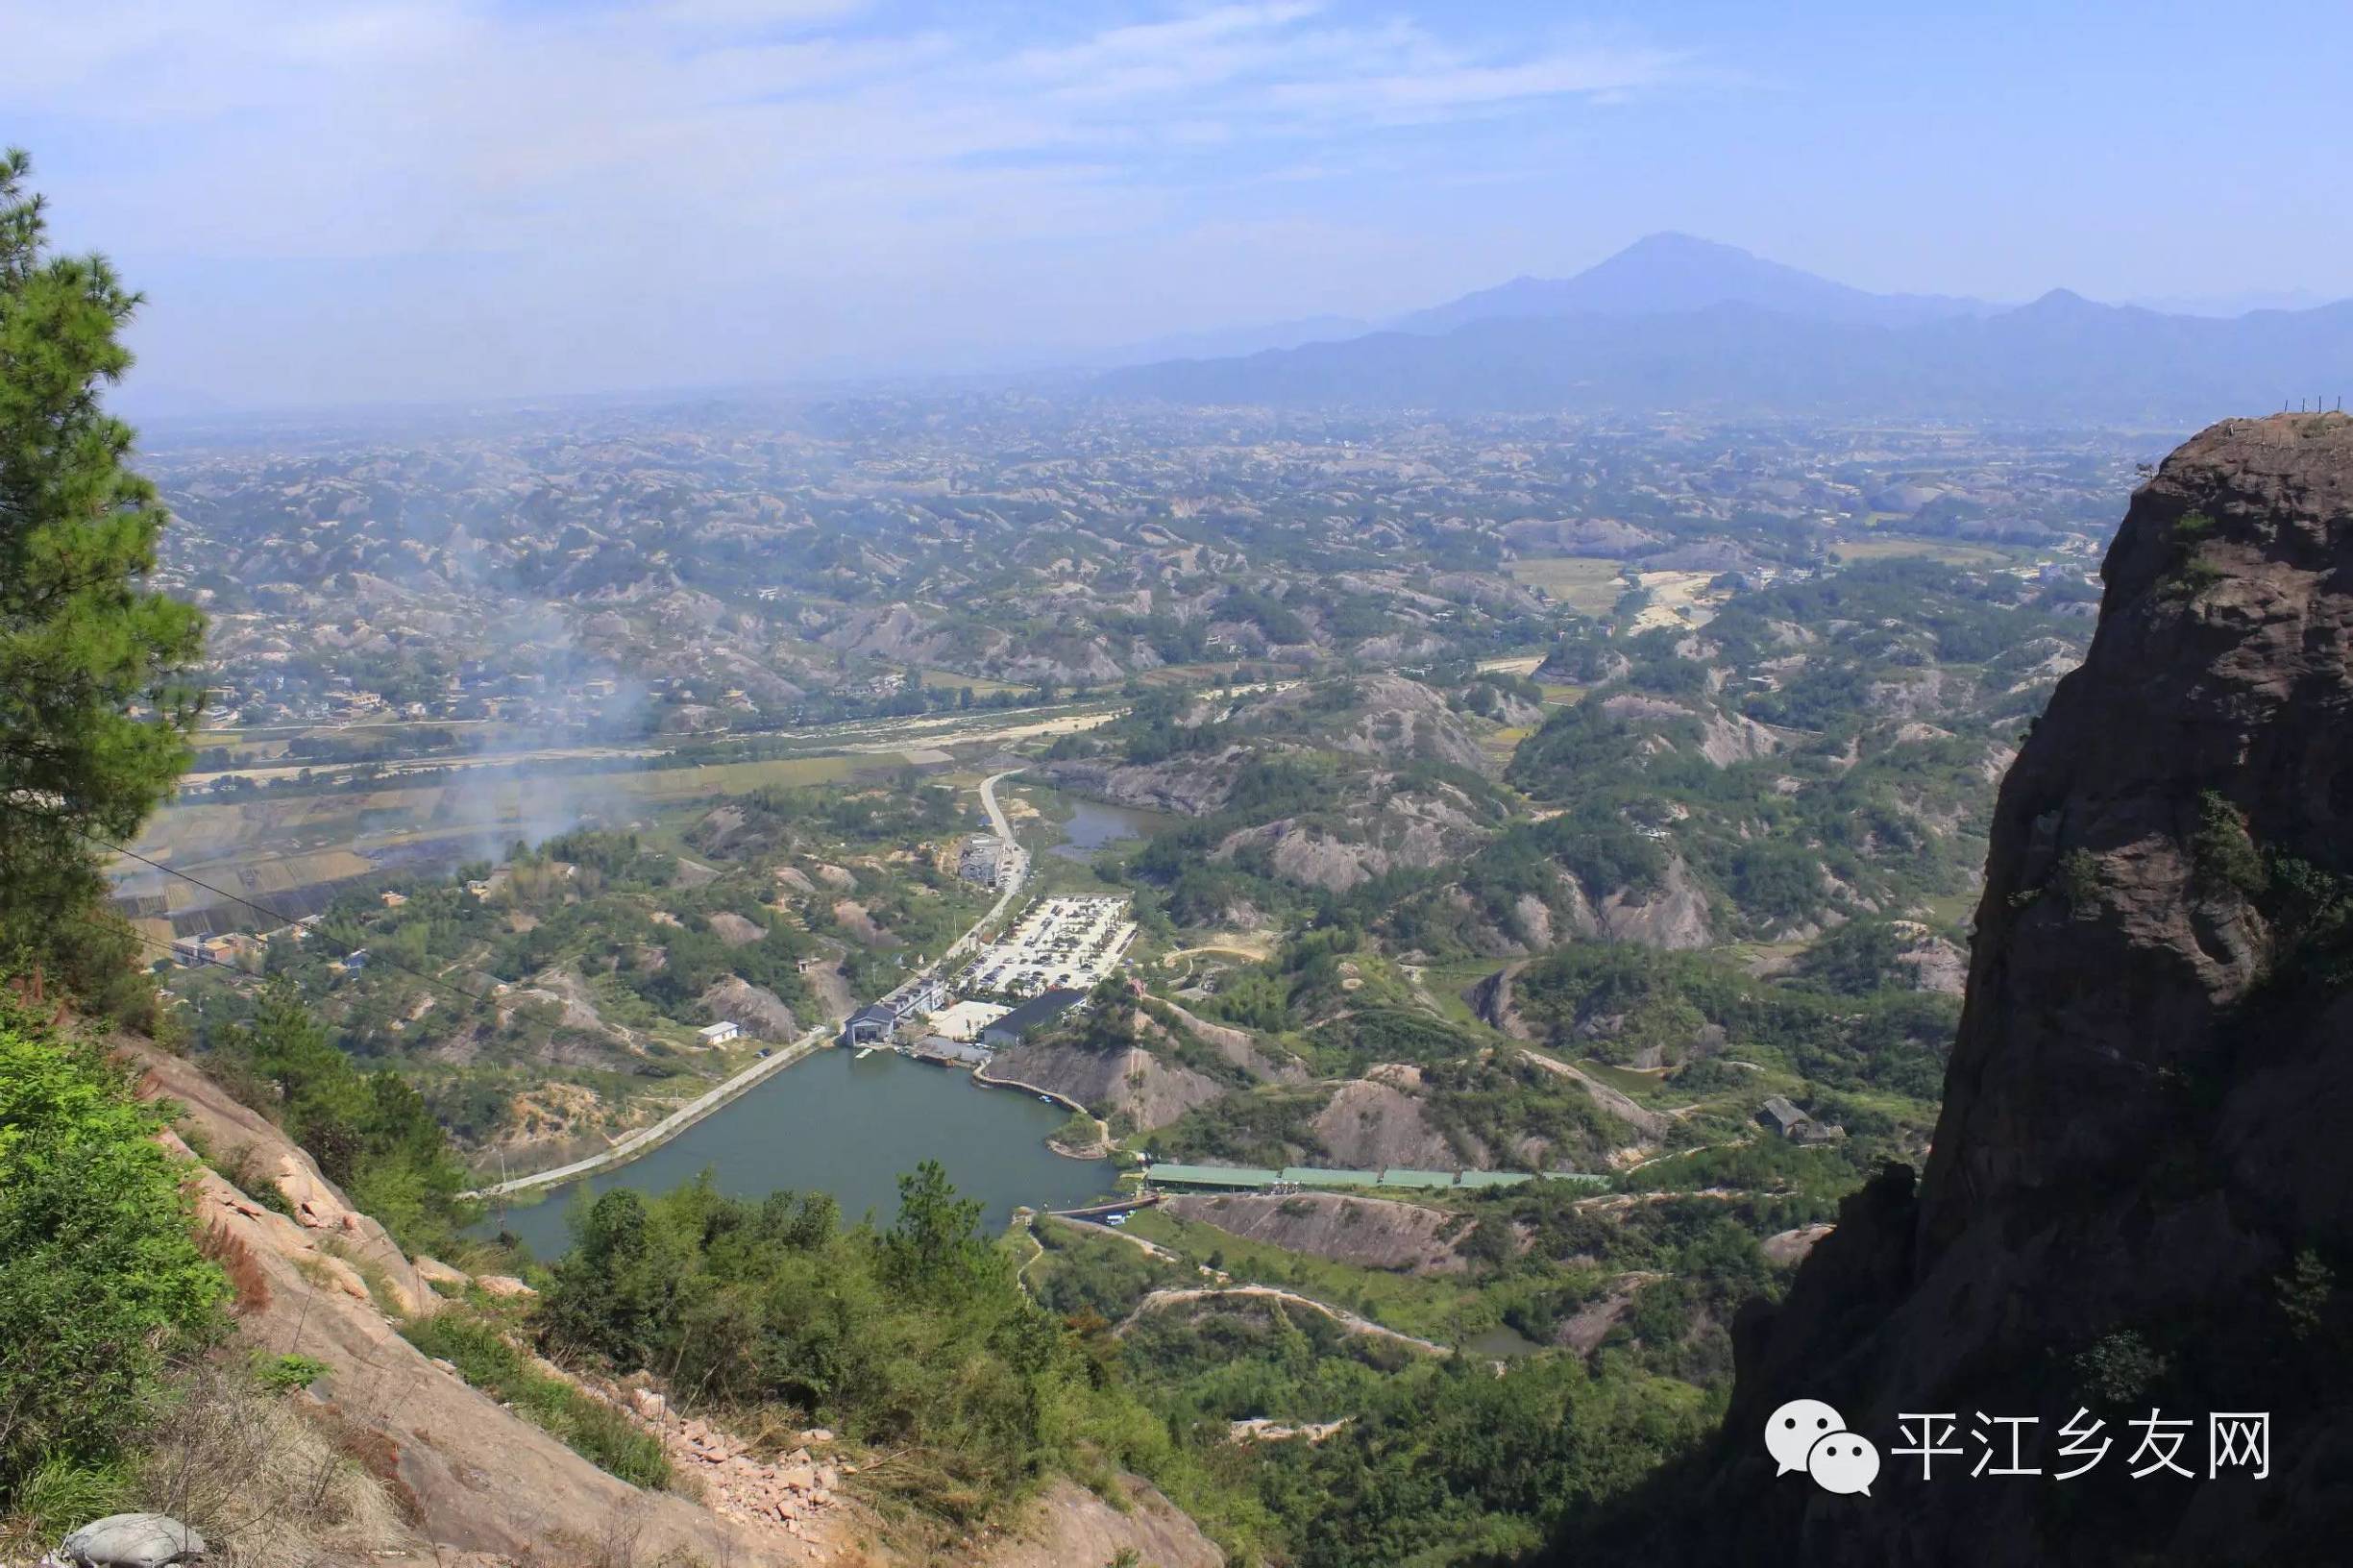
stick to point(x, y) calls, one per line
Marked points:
point(424, 199)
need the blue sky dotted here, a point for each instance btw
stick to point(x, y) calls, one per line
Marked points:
point(402, 199)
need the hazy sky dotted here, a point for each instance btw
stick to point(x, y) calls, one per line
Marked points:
point(336, 202)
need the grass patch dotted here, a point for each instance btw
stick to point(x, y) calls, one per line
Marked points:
point(588, 1426)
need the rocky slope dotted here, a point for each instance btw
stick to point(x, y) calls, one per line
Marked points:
point(448, 1475)
point(1133, 1083)
point(1375, 1233)
point(2137, 1198)
point(471, 1475)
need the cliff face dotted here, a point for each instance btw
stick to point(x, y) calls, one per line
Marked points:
point(2141, 1192)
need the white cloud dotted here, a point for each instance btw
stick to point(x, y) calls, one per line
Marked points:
point(798, 149)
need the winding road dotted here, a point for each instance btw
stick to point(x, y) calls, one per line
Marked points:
point(647, 1138)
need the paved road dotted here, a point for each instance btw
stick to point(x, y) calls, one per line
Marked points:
point(702, 1105)
point(671, 1125)
point(1002, 827)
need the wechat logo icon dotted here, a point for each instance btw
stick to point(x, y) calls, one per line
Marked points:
point(1806, 1435)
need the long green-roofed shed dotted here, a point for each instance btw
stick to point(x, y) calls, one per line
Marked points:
point(1210, 1175)
point(1316, 1176)
point(1427, 1178)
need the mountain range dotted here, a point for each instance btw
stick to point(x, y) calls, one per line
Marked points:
point(1674, 322)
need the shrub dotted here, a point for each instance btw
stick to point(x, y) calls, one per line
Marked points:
point(100, 1275)
point(2222, 853)
point(283, 1374)
point(2077, 879)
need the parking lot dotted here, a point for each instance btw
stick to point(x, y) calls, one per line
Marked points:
point(1057, 945)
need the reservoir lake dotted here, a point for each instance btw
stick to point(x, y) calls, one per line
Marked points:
point(1093, 825)
point(836, 1124)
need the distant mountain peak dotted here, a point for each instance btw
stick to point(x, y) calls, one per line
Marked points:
point(1663, 240)
point(1671, 273)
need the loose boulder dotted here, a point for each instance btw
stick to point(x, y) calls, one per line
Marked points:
point(129, 1540)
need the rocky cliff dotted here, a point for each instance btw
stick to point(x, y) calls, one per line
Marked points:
point(2141, 1194)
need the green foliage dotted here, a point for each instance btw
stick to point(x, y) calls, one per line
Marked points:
point(1857, 958)
point(485, 1357)
point(1077, 1279)
point(83, 646)
point(1498, 1104)
point(2076, 878)
point(2188, 573)
point(59, 1494)
point(2221, 850)
point(1632, 1000)
point(100, 1277)
point(1439, 1461)
point(369, 1131)
point(284, 1374)
point(1272, 1127)
point(917, 1338)
point(2306, 1295)
point(2117, 1369)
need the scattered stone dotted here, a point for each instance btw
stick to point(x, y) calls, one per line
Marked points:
point(130, 1540)
point(504, 1285)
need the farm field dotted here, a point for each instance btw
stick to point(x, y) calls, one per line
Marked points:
point(1585, 584)
point(948, 681)
point(286, 851)
point(1899, 548)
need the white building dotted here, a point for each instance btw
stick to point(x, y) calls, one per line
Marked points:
point(718, 1034)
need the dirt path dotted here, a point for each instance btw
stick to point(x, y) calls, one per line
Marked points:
point(1037, 1250)
point(1630, 1200)
point(1651, 1124)
point(1344, 1318)
point(1248, 955)
point(1152, 1247)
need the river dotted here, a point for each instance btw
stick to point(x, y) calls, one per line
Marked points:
point(836, 1124)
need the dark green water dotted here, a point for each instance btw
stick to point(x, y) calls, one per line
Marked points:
point(836, 1124)
point(1093, 825)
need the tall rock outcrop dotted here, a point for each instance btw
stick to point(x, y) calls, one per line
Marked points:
point(2140, 1193)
